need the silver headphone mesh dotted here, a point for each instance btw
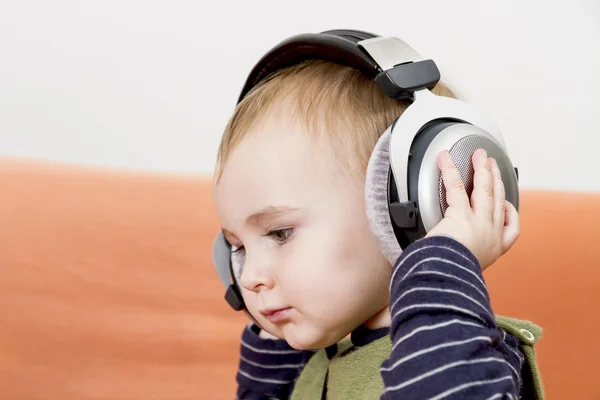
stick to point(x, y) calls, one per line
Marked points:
point(461, 153)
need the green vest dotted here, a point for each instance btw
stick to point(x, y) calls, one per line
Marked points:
point(356, 375)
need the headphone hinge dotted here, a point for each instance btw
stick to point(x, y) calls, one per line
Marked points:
point(401, 81)
point(404, 215)
point(234, 298)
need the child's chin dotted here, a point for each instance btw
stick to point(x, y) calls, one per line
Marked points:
point(307, 338)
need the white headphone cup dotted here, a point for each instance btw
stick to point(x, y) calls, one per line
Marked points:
point(376, 204)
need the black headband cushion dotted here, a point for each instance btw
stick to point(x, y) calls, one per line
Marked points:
point(338, 46)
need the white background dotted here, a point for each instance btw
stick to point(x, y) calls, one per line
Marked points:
point(150, 84)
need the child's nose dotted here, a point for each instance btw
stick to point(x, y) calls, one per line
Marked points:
point(256, 276)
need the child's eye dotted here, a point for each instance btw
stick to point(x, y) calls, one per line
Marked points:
point(280, 235)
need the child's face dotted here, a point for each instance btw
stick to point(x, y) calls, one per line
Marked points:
point(305, 238)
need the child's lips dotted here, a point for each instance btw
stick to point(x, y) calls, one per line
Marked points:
point(276, 315)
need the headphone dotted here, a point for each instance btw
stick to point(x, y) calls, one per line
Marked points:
point(405, 195)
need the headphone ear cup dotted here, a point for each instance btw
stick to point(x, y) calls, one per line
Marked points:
point(462, 151)
point(221, 256)
point(461, 140)
point(376, 199)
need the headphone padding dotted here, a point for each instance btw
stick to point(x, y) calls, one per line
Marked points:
point(376, 199)
point(237, 263)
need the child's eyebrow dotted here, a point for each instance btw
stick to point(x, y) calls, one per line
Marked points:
point(268, 213)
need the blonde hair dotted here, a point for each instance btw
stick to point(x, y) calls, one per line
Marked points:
point(329, 98)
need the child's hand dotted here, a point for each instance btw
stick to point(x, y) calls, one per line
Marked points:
point(488, 225)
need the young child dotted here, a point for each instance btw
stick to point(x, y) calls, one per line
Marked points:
point(340, 320)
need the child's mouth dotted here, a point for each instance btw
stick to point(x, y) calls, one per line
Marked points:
point(278, 315)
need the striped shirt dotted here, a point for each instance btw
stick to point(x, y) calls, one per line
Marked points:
point(445, 342)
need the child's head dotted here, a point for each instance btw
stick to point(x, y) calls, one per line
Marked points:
point(289, 193)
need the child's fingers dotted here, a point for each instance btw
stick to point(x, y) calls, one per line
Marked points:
point(456, 195)
point(482, 200)
point(499, 195)
point(511, 230)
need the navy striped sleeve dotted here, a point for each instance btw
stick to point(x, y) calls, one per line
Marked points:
point(268, 368)
point(445, 342)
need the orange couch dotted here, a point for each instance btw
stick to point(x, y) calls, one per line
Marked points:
point(107, 289)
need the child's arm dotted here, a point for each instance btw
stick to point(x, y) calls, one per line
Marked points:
point(445, 340)
point(268, 367)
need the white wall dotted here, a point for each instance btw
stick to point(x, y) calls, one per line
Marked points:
point(149, 84)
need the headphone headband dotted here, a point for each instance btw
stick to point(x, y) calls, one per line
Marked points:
point(385, 59)
point(339, 46)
